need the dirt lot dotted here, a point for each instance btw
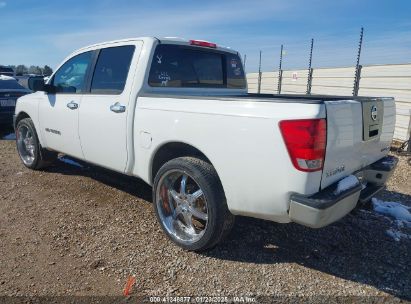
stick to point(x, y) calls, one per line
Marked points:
point(82, 231)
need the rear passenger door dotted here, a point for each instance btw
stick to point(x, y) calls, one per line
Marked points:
point(105, 108)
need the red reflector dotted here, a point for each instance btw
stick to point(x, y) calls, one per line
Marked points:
point(305, 140)
point(203, 43)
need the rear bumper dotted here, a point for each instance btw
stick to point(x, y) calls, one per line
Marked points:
point(328, 206)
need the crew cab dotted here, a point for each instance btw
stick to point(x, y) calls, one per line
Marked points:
point(176, 113)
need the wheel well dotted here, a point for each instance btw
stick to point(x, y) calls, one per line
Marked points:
point(20, 116)
point(174, 150)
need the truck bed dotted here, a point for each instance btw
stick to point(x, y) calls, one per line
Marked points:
point(354, 138)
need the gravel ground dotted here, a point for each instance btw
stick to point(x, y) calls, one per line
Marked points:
point(71, 231)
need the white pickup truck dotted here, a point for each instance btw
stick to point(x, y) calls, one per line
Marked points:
point(177, 114)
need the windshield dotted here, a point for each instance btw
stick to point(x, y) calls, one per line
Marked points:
point(10, 85)
point(193, 67)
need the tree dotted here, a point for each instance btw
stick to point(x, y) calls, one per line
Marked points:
point(35, 70)
point(21, 70)
point(47, 71)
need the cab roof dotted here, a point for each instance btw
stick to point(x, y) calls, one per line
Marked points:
point(170, 40)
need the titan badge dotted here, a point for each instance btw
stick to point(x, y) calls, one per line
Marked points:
point(374, 112)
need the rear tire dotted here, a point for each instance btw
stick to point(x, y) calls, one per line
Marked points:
point(190, 204)
point(30, 151)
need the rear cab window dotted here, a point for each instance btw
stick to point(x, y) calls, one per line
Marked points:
point(181, 66)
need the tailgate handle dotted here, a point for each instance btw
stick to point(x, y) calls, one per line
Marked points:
point(373, 131)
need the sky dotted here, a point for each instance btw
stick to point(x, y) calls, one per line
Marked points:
point(38, 32)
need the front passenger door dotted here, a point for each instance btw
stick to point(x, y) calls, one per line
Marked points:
point(59, 112)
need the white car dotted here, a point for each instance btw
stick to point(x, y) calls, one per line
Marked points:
point(177, 114)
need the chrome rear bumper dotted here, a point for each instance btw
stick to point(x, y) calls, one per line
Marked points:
point(328, 206)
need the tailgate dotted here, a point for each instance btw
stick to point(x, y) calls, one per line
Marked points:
point(359, 132)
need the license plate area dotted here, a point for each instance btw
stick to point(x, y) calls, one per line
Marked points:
point(372, 117)
point(6, 103)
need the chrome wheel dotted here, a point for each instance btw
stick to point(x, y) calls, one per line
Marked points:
point(26, 145)
point(182, 206)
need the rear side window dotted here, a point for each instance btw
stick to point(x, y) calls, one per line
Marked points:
point(111, 70)
point(191, 67)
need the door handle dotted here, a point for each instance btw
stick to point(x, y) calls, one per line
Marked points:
point(117, 108)
point(72, 105)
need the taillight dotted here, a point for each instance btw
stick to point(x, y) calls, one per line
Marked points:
point(203, 43)
point(305, 140)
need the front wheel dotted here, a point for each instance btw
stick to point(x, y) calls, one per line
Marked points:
point(190, 204)
point(30, 151)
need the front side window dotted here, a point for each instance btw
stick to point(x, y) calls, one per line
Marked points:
point(191, 67)
point(111, 70)
point(71, 77)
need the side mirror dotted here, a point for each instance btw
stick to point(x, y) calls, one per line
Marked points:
point(36, 84)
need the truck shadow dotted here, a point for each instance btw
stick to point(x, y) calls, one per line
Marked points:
point(357, 248)
point(129, 184)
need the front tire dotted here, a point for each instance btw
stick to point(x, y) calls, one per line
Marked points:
point(190, 204)
point(30, 151)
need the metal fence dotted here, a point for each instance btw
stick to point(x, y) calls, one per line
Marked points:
point(391, 80)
